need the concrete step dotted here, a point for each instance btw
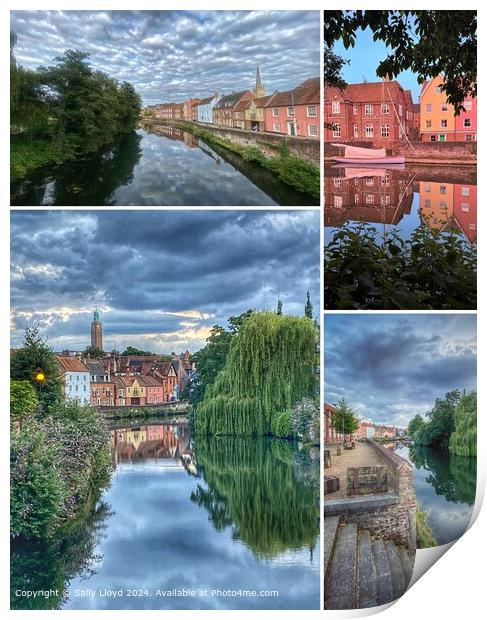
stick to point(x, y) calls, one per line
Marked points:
point(407, 564)
point(341, 586)
point(367, 574)
point(330, 531)
point(395, 567)
point(383, 572)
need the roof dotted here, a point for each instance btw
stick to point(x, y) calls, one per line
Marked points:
point(70, 364)
point(206, 100)
point(151, 381)
point(308, 92)
point(96, 368)
point(229, 101)
point(369, 92)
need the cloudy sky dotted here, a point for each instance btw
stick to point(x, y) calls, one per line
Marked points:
point(393, 366)
point(162, 279)
point(173, 55)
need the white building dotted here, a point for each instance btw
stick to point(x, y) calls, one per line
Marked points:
point(76, 379)
point(205, 109)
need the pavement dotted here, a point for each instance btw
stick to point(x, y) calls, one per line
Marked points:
point(363, 456)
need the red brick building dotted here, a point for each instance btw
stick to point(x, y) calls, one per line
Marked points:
point(376, 112)
point(229, 111)
point(330, 434)
point(295, 112)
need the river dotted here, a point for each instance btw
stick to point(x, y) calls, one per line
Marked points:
point(402, 198)
point(445, 487)
point(159, 166)
point(231, 514)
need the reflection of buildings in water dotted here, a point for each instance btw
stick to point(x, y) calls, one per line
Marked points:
point(368, 195)
point(449, 206)
point(158, 441)
point(177, 134)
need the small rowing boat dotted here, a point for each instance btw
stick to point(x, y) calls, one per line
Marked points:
point(359, 156)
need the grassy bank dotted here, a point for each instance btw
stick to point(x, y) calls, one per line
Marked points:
point(424, 534)
point(295, 172)
point(30, 154)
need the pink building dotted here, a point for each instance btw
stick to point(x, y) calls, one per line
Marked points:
point(466, 122)
point(295, 112)
point(155, 390)
point(465, 210)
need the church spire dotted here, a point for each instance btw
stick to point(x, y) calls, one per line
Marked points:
point(259, 85)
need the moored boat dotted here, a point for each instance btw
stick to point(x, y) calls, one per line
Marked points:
point(359, 156)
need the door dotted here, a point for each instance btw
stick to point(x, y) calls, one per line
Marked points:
point(291, 128)
point(442, 137)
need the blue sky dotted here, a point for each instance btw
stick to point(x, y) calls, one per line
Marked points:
point(391, 367)
point(162, 279)
point(364, 59)
point(174, 55)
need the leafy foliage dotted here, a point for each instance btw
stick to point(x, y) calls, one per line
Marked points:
point(268, 368)
point(424, 534)
point(305, 420)
point(35, 356)
point(344, 419)
point(135, 351)
point(420, 41)
point(332, 69)
point(93, 352)
point(23, 400)
point(281, 424)
point(463, 441)
point(440, 423)
point(430, 270)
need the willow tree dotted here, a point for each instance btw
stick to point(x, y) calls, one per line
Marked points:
point(269, 367)
point(463, 441)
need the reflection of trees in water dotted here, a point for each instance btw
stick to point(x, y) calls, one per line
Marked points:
point(89, 181)
point(49, 565)
point(453, 477)
point(265, 489)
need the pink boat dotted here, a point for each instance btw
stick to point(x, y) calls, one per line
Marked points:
point(357, 156)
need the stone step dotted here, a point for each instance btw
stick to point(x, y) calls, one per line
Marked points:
point(367, 575)
point(341, 586)
point(383, 572)
point(395, 567)
point(407, 565)
point(330, 531)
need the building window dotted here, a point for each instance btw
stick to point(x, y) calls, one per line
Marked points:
point(356, 198)
point(427, 188)
point(400, 110)
point(337, 202)
point(337, 182)
point(337, 132)
point(385, 108)
point(335, 107)
point(428, 107)
point(312, 110)
point(369, 109)
point(444, 123)
point(369, 181)
point(369, 131)
point(465, 191)
point(468, 137)
point(313, 130)
point(428, 124)
point(466, 122)
point(386, 180)
point(384, 131)
point(432, 138)
point(277, 126)
point(467, 105)
point(427, 203)
point(437, 90)
point(442, 189)
point(355, 108)
point(369, 199)
point(355, 130)
point(275, 111)
point(290, 111)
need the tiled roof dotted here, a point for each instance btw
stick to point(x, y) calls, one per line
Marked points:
point(228, 101)
point(308, 92)
point(206, 100)
point(70, 364)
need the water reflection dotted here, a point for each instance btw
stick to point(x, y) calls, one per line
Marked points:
point(402, 197)
point(157, 166)
point(214, 513)
point(445, 487)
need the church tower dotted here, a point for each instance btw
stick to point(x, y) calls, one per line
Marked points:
point(96, 331)
point(259, 85)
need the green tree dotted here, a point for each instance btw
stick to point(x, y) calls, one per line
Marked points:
point(308, 307)
point(344, 419)
point(279, 307)
point(332, 69)
point(440, 422)
point(93, 352)
point(136, 351)
point(34, 357)
point(463, 441)
point(420, 41)
point(415, 425)
point(23, 401)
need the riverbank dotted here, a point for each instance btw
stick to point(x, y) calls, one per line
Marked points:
point(30, 155)
point(291, 170)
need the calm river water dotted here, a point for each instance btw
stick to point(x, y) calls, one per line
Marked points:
point(189, 524)
point(163, 166)
point(402, 198)
point(445, 488)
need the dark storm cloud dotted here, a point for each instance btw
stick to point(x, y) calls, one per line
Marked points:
point(392, 367)
point(162, 279)
point(173, 55)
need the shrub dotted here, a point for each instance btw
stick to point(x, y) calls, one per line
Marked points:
point(23, 400)
point(305, 419)
point(281, 424)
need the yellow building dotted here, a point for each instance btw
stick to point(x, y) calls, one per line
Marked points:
point(436, 203)
point(437, 118)
point(254, 113)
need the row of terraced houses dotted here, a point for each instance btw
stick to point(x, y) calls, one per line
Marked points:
point(121, 381)
point(383, 112)
point(294, 112)
point(366, 430)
